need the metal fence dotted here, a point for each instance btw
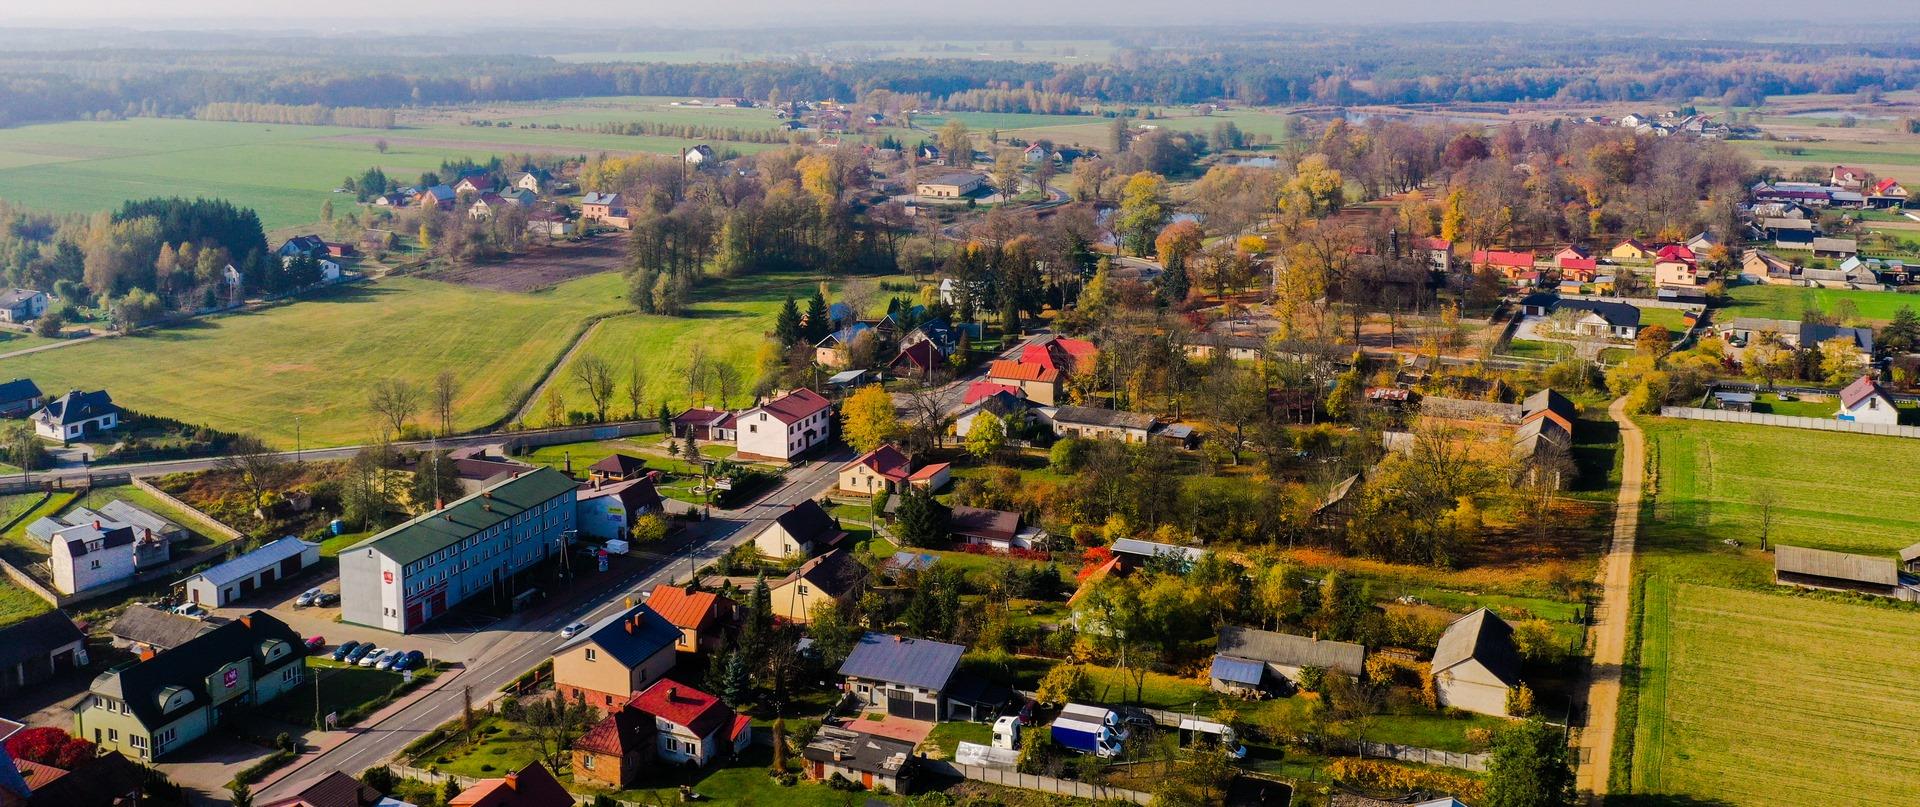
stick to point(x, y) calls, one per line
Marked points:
point(1026, 781)
point(1788, 421)
point(1428, 756)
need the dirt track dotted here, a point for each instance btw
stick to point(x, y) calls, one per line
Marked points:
point(1595, 741)
point(542, 267)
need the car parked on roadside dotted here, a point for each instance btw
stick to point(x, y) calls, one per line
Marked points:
point(388, 659)
point(326, 599)
point(314, 643)
point(343, 651)
point(415, 660)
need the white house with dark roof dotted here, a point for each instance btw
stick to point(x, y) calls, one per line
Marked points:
point(785, 427)
point(76, 415)
point(91, 555)
point(1476, 665)
point(800, 532)
point(1090, 423)
point(22, 305)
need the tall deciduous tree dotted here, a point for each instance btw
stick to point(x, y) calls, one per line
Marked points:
point(446, 388)
point(1143, 211)
point(596, 377)
point(868, 418)
point(394, 401)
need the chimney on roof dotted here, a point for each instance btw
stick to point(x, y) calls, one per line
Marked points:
point(247, 621)
point(630, 622)
point(96, 524)
point(673, 692)
point(513, 781)
point(146, 652)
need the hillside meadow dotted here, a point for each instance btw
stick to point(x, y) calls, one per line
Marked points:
point(315, 359)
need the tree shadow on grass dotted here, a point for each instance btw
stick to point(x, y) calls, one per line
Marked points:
point(1663, 800)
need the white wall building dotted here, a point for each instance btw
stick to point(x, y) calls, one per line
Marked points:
point(784, 427)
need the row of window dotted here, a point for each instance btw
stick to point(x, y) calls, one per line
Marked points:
point(459, 548)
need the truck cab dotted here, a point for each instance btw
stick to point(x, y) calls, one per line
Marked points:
point(1006, 733)
point(1088, 730)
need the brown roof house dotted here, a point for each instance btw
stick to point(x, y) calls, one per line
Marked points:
point(802, 530)
point(531, 786)
point(833, 576)
point(869, 759)
point(995, 528)
point(1476, 665)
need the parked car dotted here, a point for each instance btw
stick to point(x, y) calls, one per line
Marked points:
point(415, 660)
point(191, 610)
point(306, 598)
point(1133, 718)
point(570, 631)
point(388, 659)
point(314, 643)
point(343, 651)
point(361, 653)
point(326, 599)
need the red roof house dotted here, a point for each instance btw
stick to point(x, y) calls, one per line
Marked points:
point(1509, 263)
point(692, 726)
point(1676, 252)
point(986, 389)
point(531, 786)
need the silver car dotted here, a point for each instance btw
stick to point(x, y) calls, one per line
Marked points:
point(373, 657)
point(389, 659)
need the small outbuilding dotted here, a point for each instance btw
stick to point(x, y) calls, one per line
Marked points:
point(222, 585)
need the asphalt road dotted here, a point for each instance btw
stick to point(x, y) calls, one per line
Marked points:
point(512, 651)
point(80, 472)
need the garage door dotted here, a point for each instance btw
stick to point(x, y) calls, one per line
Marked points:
point(289, 566)
point(923, 710)
point(899, 704)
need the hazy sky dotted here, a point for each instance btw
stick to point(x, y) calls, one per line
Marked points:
point(372, 14)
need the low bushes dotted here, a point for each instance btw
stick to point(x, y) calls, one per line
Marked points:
point(259, 770)
point(1377, 776)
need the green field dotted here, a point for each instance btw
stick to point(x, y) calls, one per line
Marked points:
point(17, 603)
point(1672, 319)
point(1789, 302)
point(1904, 153)
point(285, 173)
point(317, 358)
point(1736, 679)
point(730, 323)
point(1770, 699)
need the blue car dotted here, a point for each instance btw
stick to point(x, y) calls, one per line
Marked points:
point(414, 661)
point(360, 652)
point(343, 651)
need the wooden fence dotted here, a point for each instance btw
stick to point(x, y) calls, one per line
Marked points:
point(1788, 421)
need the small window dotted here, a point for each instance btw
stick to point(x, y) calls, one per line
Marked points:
point(586, 761)
point(113, 735)
point(592, 655)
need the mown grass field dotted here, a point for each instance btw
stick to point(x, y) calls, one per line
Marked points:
point(1743, 692)
point(316, 359)
point(1764, 699)
point(1897, 157)
point(1789, 302)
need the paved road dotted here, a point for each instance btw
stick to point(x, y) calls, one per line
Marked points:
point(1595, 741)
point(79, 472)
point(511, 651)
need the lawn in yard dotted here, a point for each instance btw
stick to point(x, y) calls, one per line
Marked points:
point(330, 548)
point(22, 549)
point(1789, 302)
point(1672, 319)
point(1820, 407)
point(341, 689)
point(17, 603)
point(314, 360)
point(1754, 698)
point(1535, 349)
point(949, 736)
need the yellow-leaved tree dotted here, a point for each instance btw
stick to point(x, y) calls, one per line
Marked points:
point(868, 419)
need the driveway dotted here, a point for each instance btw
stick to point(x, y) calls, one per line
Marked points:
point(209, 764)
point(1595, 740)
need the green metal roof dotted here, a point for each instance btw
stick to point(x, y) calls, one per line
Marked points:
point(463, 518)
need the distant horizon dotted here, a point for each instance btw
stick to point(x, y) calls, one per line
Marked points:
point(446, 15)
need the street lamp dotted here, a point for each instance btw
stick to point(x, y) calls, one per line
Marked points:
point(296, 438)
